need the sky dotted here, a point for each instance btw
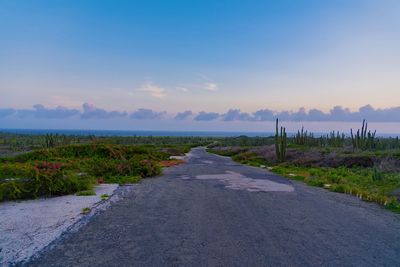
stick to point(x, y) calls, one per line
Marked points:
point(200, 64)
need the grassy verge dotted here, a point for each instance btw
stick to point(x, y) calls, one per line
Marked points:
point(76, 168)
point(366, 183)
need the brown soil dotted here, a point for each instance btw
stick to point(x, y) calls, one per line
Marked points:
point(172, 162)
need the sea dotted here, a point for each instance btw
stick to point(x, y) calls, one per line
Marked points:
point(136, 133)
point(158, 133)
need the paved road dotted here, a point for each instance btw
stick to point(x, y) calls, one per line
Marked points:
point(213, 212)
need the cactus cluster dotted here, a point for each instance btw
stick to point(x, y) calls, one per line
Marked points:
point(335, 139)
point(280, 142)
point(303, 137)
point(363, 139)
point(53, 140)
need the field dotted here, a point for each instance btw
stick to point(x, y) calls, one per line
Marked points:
point(362, 165)
point(47, 165)
point(51, 165)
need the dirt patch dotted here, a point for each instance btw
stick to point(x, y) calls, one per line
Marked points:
point(172, 162)
point(172, 151)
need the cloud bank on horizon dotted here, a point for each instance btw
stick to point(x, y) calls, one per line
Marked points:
point(90, 111)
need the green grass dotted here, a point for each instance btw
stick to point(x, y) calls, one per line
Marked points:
point(125, 180)
point(76, 168)
point(85, 210)
point(359, 182)
point(366, 183)
point(104, 196)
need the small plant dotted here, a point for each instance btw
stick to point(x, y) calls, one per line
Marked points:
point(376, 174)
point(85, 210)
point(104, 196)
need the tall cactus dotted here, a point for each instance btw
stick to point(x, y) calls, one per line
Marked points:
point(280, 142)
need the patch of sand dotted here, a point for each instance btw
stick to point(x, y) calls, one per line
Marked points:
point(28, 226)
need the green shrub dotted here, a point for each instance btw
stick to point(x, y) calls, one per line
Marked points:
point(315, 182)
point(85, 210)
point(104, 196)
point(338, 188)
point(376, 174)
point(122, 180)
point(73, 168)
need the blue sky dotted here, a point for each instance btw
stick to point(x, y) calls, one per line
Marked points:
point(137, 64)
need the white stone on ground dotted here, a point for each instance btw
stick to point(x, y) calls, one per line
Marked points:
point(28, 226)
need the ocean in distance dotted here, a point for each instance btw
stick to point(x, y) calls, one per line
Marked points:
point(154, 133)
point(135, 133)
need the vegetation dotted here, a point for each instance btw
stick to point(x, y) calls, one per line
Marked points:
point(76, 168)
point(280, 143)
point(359, 182)
point(104, 196)
point(85, 210)
point(363, 139)
point(361, 165)
point(303, 137)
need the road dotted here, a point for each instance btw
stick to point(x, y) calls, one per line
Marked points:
point(214, 212)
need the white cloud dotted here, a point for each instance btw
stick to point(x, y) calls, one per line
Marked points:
point(154, 90)
point(210, 86)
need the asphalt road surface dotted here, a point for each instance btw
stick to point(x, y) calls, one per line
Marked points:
point(214, 212)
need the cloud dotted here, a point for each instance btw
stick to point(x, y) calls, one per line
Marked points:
point(337, 113)
point(207, 83)
point(154, 90)
point(236, 115)
point(40, 111)
point(206, 116)
point(146, 114)
point(5, 112)
point(90, 111)
point(183, 115)
point(300, 115)
point(263, 115)
point(340, 114)
point(317, 115)
point(211, 86)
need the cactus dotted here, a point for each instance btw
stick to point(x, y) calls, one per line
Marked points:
point(280, 142)
point(301, 137)
point(363, 139)
point(335, 139)
point(49, 140)
point(53, 140)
